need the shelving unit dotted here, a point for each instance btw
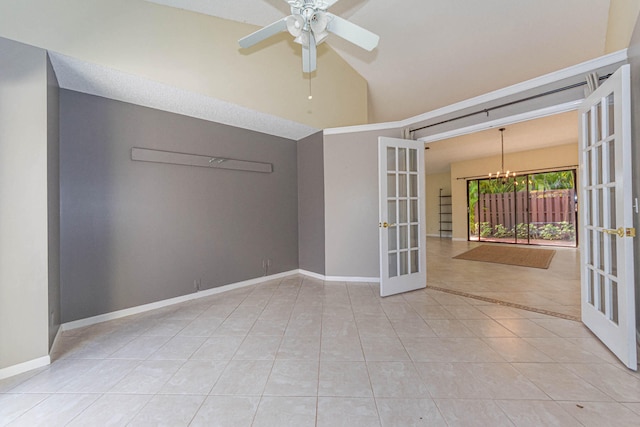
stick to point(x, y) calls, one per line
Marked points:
point(446, 223)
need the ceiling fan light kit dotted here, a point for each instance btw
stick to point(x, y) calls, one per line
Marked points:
point(310, 25)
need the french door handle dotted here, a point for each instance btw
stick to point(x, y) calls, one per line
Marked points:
point(386, 224)
point(622, 232)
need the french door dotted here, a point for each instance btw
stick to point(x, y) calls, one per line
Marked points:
point(607, 268)
point(402, 217)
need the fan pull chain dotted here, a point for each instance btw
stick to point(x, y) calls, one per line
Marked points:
point(310, 97)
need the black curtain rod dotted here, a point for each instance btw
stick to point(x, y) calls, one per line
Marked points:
point(519, 173)
point(508, 104)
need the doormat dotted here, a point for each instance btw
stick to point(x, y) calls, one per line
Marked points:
point(523, 257)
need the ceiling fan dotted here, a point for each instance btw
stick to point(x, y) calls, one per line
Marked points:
point(310, 24)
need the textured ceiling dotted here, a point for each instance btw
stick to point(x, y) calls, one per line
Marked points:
point(434, 53)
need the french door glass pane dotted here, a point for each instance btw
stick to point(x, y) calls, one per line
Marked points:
point(402, 159)
point(391, 159)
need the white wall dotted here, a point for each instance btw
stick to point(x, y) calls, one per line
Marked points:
point(24, 263)
point(433, 184)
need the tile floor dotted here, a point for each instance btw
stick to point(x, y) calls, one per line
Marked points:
point(556, 289)
point(301, 352)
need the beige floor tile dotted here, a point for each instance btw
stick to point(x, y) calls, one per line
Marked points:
point(258, 347)
point(293, 378)
point(56, 410)
point(218, 347)
point(449, 328)
point(450, 350)
point(486, 328)
point(526, 328)
point(299, 347)
point(224, 411)
point(412, 328)
point(341, 348)
point(472, 413)
point(140, 348)
point(286, 411)
point(564, 351)
point(505, 382)
point(452, 381)
point(101, 378)
point(14, 405)
point(383, 348)
point(601, 414)
point(243, 377)
point(194, 377)
point(517, 350)
point(178, 348)
point(148, 377)
point(347, 412)
point(559, 383)
point(619, 384)
point(396, 379)
point(111, 410)
point(344, 379)
point(409, 413)
point(168, 410)
point(535, 413)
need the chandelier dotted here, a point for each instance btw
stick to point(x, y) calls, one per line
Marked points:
point(505, 175)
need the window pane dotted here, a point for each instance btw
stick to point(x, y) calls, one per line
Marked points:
point(393, 238)
point(391, 185)
point(404, 237)
point(614, 302)
point(612, 160)
point(414, 236)
point(404, 263)
point(413, 160)
point(414, 211)
point(391, 159)
point(415, 261)
point(611, 115)
point(403, 212)
point(402, 159)
point(391, 211)
point(393, 265)
point(402, 185)
point(413, 185)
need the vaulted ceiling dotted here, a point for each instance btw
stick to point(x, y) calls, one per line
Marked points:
point(433, 53)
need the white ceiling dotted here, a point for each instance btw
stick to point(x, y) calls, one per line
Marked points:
point(449, 50)
point(559, 129)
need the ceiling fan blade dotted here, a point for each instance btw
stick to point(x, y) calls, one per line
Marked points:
point(263, 33)
point(352, 33)
point(309, 55)
point(329, 3)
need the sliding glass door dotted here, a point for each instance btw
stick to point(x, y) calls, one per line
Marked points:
point(537, 209)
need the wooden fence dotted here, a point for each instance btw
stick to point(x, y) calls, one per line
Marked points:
point(510, 209)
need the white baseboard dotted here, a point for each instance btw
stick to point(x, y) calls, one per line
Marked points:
point(339, 278)
point(171, 301)
point(24, 367)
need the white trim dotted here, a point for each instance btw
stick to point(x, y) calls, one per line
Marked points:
point(352, 279)
point(339, 278)
point(312, 274)
point(171, 301)
point(575, 70)
point(24, 367)
point(523, 117)
point(363, 128)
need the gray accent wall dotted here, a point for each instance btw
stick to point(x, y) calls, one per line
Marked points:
point(634, 60)
point(351, 203)
point(134, 232)
point(24, 203)
point(311, 248)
